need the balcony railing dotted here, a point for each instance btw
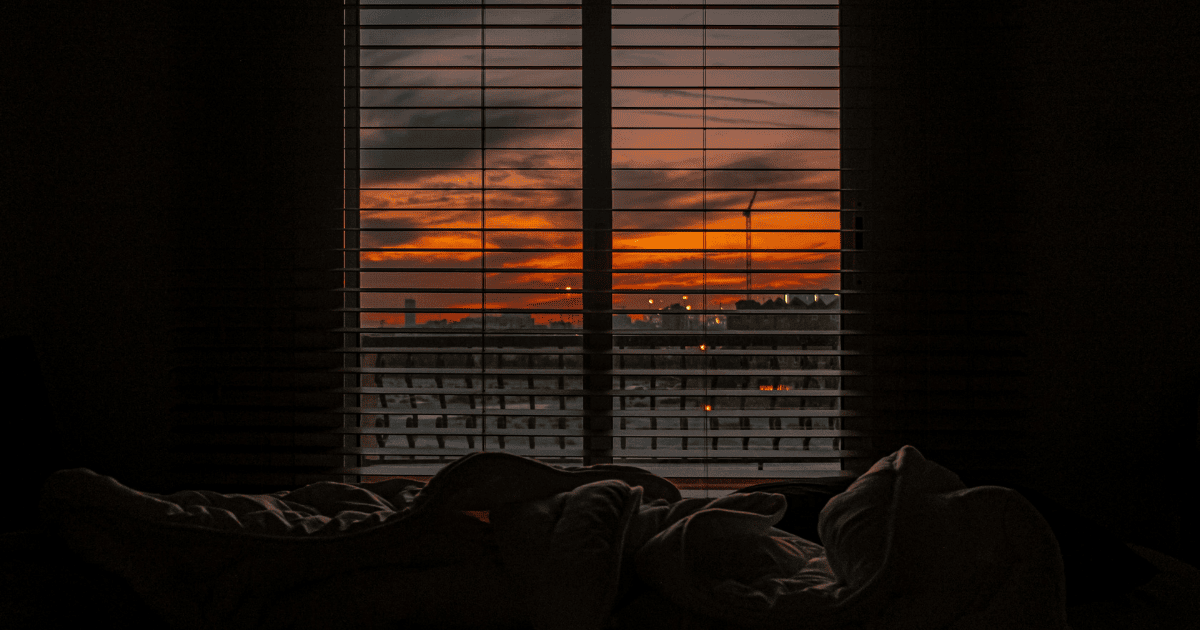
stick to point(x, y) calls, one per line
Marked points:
point(686, 404)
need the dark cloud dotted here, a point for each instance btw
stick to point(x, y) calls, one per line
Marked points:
point(432, 155)
point(675, 97)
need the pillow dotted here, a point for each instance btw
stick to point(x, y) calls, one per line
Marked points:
point(906, 545)
point(903, 495)
point(944, 554)
point(1098, 565)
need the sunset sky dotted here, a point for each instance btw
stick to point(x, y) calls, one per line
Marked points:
point(471, 153)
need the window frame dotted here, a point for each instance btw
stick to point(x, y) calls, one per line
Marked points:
point(597, 333)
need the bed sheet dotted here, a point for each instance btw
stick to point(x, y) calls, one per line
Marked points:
point(906, 546)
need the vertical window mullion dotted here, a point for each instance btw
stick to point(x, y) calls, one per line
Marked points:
point(597, 226)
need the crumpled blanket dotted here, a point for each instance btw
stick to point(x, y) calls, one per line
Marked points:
point(906, 546)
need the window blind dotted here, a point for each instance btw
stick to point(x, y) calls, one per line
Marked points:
point(598, 233)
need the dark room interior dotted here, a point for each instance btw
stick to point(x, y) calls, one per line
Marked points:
point(172, 181)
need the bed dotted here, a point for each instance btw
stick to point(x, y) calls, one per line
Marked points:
point(502, 541)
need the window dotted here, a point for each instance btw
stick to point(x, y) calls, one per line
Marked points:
point(596, 234)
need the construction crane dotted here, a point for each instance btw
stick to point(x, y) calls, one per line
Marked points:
point(746, 212)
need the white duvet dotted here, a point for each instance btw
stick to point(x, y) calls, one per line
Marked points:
point(906, 546)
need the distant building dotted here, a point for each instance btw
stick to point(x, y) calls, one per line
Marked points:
point(500, 321)
point(801, 311)
point(677, 317)
point(812, 300)
point(410, 318)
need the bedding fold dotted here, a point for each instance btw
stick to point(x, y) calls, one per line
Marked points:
point(907, 546)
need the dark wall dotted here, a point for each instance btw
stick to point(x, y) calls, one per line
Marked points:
point(1064, 137)
point(162, 162)
point(1083, 119)
point(87, 194)
point(1113, 143)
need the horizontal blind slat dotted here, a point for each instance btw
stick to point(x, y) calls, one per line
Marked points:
point(598, 355)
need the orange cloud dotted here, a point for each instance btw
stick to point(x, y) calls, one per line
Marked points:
point(517, 225)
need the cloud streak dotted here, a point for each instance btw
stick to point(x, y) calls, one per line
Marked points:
point(471, 160)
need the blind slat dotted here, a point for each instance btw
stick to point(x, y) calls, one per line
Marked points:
point(495, 242)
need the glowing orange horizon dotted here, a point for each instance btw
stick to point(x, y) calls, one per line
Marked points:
point(471, 181)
